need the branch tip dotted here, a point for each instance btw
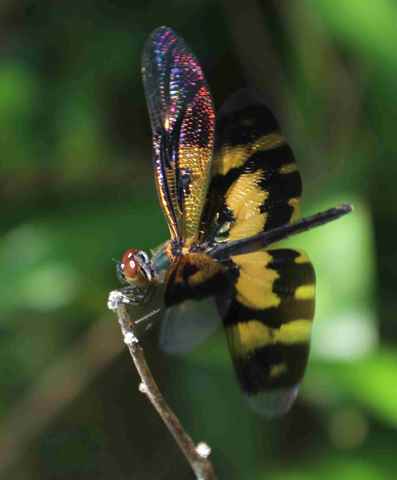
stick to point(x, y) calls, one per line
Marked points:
point(130, 339)
point(203, 449)
point(143, 388)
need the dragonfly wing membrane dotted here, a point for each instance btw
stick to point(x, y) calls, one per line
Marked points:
point(193, 285)
point(268, 326)
point(255, 183)
point(186, 325)
point(183, 123)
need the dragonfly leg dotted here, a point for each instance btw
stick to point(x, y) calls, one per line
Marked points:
point(129, 295)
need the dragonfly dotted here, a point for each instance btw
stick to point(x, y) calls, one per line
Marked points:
point(229, 188)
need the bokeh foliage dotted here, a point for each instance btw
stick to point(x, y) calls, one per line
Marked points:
point(76, 190)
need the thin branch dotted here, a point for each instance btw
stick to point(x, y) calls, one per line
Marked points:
point(196, 455)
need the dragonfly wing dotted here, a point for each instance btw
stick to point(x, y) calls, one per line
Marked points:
point(186, 325)
point(268, 326)
point(255, 183)
point(183, 124)
point(193, 285)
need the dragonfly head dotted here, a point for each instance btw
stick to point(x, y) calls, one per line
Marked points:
point(135, 268)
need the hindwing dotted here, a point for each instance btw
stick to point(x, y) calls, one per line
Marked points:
point(268, 325)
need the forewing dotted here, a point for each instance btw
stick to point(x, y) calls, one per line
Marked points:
point(255, 184)
point(183, 122)
point(268, 326)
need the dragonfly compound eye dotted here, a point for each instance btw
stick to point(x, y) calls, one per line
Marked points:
point(133, 267)
point(129, 265)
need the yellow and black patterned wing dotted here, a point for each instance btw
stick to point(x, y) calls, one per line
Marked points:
point(255, 184)
point(256, 187)
point(183, 124)
point(268, 325)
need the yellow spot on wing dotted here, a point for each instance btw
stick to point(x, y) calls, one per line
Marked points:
point(231, 157)
point(245, 189)
point(278, 369)
point(255, 293)
point(234, 157)
point(269, 141)
point(305, 292)
point(244, 198)
point(252, 201)
point(249, 336)
point(294, 203)
point(259, 258)
point(303, 258)
point(288, 168)
point(251, 226)
point(297, 331)
point(253, 335)
point(255, 281)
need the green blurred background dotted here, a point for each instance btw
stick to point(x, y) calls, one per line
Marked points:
point(76, 190)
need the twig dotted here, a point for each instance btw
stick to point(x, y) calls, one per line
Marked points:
point(196, 455)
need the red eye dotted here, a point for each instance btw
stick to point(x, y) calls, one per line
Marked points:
point(128, 263)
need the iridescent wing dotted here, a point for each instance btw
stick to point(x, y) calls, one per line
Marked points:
point(183, 121)
point(268, 326)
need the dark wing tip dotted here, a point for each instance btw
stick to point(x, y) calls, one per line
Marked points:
point(241, 99)
point(274, 403)
point(245, 104)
